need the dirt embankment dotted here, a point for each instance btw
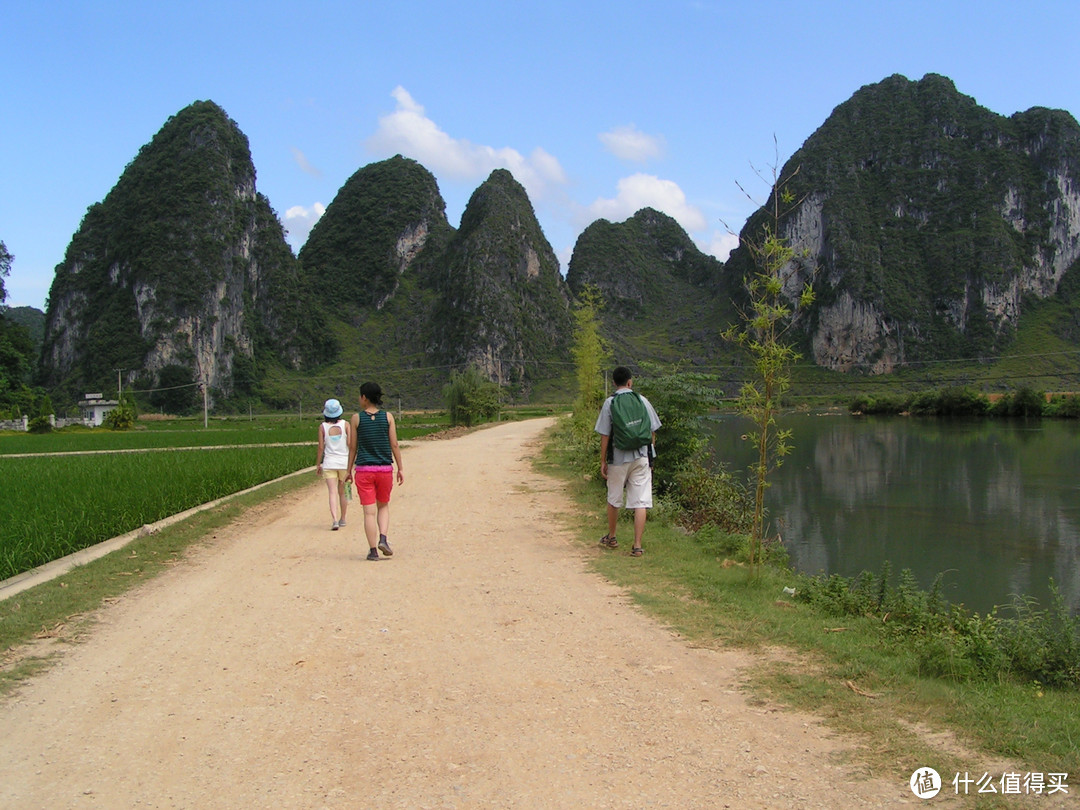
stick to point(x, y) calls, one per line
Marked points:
point(481, 666)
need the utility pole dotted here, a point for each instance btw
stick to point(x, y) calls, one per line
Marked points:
point(205, 409)
point(119, 383)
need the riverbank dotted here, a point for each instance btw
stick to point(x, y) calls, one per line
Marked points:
point(872, 673)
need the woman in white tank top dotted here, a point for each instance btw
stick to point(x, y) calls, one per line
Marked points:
point(333, 462)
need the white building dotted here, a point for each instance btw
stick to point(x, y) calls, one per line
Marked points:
point(94, 408)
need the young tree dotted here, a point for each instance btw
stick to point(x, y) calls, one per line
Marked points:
point(591, 357)
point(776, 296)
point(5, 268)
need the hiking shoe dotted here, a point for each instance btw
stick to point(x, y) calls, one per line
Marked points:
point(384, 547)
point(334, 528)
point(373, 555)
point(341, 523)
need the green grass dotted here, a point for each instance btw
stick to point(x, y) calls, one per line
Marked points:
point(189, 432)
point(850, 671)
point(55, 506)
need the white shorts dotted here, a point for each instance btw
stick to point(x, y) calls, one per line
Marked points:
point(634, 480)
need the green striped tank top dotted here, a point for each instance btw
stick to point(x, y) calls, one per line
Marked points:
point(373, 440)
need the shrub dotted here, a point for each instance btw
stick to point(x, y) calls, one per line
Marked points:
point(1025, 403)
point(1044, 645)
point(39, 424)
point(878, 405)
point(954, 401)
point(950, 642)
point(961, 401)
point(1064, 407)
point(470, 397)
point(122, 417)
point(711, 498)
point(681, 401)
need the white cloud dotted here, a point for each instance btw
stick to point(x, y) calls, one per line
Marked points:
point(720, 244)
point(299, 221)
point(408, 131)
point(647, 191)
point(305, 166)
point(630, 143)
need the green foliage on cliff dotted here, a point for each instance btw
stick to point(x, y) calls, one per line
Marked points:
point(17, 348)
point(367, 237)
point(31, 319)
point(660, 292)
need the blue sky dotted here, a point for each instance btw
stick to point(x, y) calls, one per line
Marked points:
point(598, 108)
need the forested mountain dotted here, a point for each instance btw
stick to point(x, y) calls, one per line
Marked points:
point(930, 222)
point(931, 227)
point(502, 303)
point(32, 319)
point(181, 270)
point(415, 298)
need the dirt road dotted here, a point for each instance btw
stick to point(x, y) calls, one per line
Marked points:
point(480, 667)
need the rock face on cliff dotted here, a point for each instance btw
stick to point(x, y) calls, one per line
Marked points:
point(929, 219)
point(502, 304)
point(183, 266)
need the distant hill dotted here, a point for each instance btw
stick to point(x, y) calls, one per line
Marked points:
point(661, 294)
point(374, 231)
point(502, 304)
point(33, 319)
point(417, 298)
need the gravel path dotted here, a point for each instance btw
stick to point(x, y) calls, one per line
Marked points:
point(481, 667)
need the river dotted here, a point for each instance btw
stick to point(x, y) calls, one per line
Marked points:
point(994, 504)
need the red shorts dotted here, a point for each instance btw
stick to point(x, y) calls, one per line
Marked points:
point(374, 485)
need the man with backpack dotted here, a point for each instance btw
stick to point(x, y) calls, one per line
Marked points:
point(627, 426)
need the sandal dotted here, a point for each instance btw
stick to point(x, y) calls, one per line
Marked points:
point(637, 551)
point(609, 542)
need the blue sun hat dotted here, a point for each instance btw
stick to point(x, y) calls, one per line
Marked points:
point(332, 409)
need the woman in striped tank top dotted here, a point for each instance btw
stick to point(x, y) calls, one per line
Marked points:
point(375, 453)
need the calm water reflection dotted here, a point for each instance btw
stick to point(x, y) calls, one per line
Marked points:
point(994, 504)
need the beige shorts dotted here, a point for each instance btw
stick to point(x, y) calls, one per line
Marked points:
point(634, 481)
point(340, 475)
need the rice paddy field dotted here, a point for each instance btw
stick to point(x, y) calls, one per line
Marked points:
point(67, 490)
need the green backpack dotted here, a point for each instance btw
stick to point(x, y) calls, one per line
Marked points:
point(630, 424)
